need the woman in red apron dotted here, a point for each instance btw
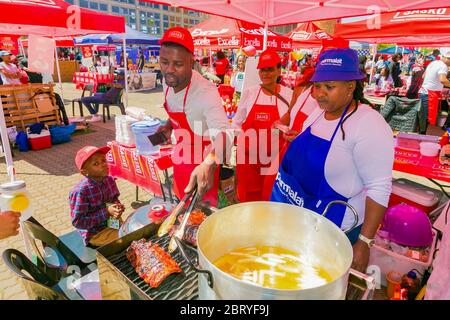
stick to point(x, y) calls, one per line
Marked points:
point(258, 124)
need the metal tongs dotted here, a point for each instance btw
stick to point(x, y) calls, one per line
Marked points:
point(180, 231)
point(170, 220)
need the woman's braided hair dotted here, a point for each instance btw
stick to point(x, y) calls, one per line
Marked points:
point(358, 96)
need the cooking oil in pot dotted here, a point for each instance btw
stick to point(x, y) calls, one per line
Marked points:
point(273, 267)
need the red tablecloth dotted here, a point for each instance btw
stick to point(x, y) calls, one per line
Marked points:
point(414, 163)
point(140, 170)
point(83, 78)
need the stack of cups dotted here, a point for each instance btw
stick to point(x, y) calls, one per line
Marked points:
point(124, 135)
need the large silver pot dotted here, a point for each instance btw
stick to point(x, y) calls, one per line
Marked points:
point(274, 224)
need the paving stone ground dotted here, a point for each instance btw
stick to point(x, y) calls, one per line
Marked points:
point(51, 173)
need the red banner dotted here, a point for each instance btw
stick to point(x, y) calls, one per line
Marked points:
point(9, 43)
point(143, 171)
point(87, 51)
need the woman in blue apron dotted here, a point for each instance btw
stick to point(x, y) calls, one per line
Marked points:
point(302, 177)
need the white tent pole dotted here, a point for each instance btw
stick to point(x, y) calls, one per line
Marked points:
point(21, 48)
point(396, 48)
point(266, 28)
point(58, 70)
point(6, 146)
point(125, 66)
point(375, 48)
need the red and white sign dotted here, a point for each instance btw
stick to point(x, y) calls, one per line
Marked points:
point(87, 51)
point(9, 43)
point(219, 32)
point(307, 35)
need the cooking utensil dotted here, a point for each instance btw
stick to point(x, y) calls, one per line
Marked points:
point(314, 237)
point(180, 231)
point(170, 220)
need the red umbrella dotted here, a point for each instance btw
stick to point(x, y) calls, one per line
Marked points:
point(308, 35)
point(219, 32)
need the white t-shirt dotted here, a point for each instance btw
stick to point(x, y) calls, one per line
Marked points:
point(10, 68)
point(432, 73)
point(204, 109)
point(248, 100)
point(237, 81)
point(308, 107)
point(361, 165)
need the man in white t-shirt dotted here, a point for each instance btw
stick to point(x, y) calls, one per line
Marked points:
point(195, 111)
point(9, 72)
point(435, 78)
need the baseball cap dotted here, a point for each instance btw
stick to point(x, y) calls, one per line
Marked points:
point(338, 64)
point(86, 152)
point(179, 35)
point(446, 54)
point(5, 53)
point(268, 59)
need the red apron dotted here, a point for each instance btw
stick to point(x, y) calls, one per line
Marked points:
point(249, 177)
point(182, 172)
point(433, 106)
point(297, 125)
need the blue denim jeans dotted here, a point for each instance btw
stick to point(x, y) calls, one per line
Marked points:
point(96, 99)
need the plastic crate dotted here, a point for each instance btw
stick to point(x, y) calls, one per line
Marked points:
point(388, 260)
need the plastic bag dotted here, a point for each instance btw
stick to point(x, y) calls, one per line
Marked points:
point(22, 141)
point(62, 134)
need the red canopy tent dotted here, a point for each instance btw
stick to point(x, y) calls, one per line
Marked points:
point(308, 35)
point(54, 18)
point(219, 32)
point(280, 12)
point(417, 27)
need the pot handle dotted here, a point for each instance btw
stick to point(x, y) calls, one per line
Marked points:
point(355, 223)
point(208, 273)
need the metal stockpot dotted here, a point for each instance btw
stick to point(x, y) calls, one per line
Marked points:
point(274, 224)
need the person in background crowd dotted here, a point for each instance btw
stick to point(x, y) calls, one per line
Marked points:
point(71, 55)
point(362, 63)
point(259, 108)
point(284, 60)
point(108, 97)
point(417, 71)
point(95, 198)
point(79, 56)
point(9, 72)
point(222, 65)
point(345, 152)
point(33, 77)
point(412, 61)
point(384, 80)
point(435, 55)
point(395, 71)
point(380, 63)
point(9, 224)
point(368, 67)
point(434, 80)
point(141, 61)
point(237, 79)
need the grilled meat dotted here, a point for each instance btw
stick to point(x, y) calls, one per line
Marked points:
point(151, 262)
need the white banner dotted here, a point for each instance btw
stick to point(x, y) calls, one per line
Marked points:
point(141, 81)
point(41, 54)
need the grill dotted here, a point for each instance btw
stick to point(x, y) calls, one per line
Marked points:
point(119, 280)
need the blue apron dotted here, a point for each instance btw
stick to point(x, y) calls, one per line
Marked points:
point(301, 177)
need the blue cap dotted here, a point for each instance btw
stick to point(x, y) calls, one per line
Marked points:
point(338, 65)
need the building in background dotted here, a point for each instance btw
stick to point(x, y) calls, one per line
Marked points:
point(147, 17)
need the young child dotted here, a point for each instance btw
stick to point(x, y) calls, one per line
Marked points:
point(95, 198)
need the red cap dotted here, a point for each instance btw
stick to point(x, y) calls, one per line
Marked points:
point(179, 35)
point(268, 59)
point(85, 153)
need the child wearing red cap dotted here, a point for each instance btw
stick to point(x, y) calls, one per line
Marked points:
point(95, 198)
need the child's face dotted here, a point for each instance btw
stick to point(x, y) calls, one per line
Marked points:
point(95, 166)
